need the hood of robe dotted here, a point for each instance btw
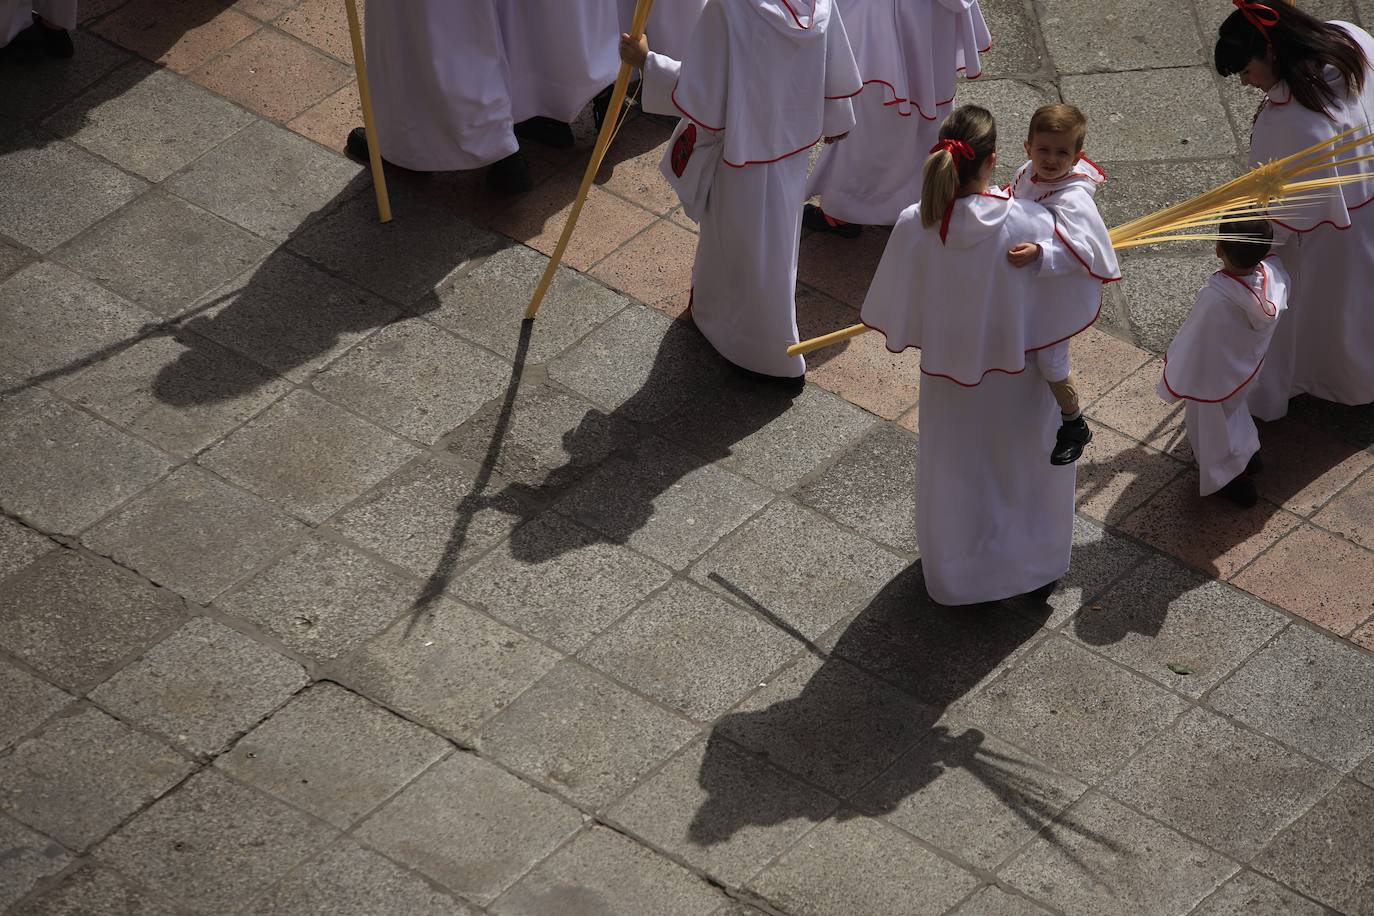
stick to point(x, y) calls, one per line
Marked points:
point(972, 219)
point(795, 18)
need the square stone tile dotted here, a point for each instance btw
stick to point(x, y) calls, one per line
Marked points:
point(966, 792)
point(654, 266)
point(1162, 616)
point(772, 442)
point(20, 546)
point(181, 37)
point(195, 534)
point(606, 221)
point(308, 456)
point(583, 736)
point(1117, 475)
point(406, 260)
point(485, 306)
point(665, 503)
point(856, 865)
point(180, 391)
point(1364, 636)
point(289, 316)
point(37, 83)
point(800, 567)
point(323, 599)
point(328, 121)
point(75, 618)
point(29, 857)
point(691, 650)
point(721, 810)
point(53, 321)
point(148, 121)
point(544, 438)
point(1161, 291)
point(631, 168)
point(272, 75)
point(1210, 535)
point(82, 776)
point(27, 702)
point(642, 366)
point(470, 826)
point(993, 901)
point(1309, 691)
point(828, 722)
point(18, 393)
point(430, 518)
point(333, 754)
point(1132, 115)
point(558, 581)
point(862, 370)
point(1315, 575)
point(162, 252)
point(449, 668)
point(1100, 557)
point(202, 686)
point(1099, 839)
point(1023, 56)
point(841, 268)
point(321, 24)
point(872, 488)
point(1078, 713)
point(12, 258)
point(212, 844)
point(607, 873)
point(267, 180)
point(1101, 362)
point(349, 880)
point(1329, 853)
point(93, 889)
point(1221, 784)
point(1133, 408)
point(1365, 772)
point(1304, 468)
point(415, 380)
point(53, 189)
point(1249, 894)
point(1089, 36)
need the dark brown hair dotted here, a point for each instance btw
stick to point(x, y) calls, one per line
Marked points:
point(1246, 255)
point(1059, 119)
point(1302, 44)
point(944, 174)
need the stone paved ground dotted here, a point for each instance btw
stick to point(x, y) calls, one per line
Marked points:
point(325, 588)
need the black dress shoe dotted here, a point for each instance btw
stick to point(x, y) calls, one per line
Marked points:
point(1240, 491)
point(814, 218)
point(1069, 441)
point(357, 143)
point(1255, 465)
point(546, 131)
point(510, 175)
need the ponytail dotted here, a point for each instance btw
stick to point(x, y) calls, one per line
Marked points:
point(967, 138)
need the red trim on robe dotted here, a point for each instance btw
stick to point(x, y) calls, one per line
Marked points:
point(1266, 304)
point(1078, 257)
point(1164, 377)
point(689, 116)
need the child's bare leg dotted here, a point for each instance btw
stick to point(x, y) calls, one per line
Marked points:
point(1073, 433)
point(1066, 396)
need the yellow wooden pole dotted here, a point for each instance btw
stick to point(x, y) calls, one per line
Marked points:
point(603, 143)
point(374, 147)
point(825, 340)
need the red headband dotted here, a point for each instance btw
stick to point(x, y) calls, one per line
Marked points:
point(1258, 15)
point(956, 148)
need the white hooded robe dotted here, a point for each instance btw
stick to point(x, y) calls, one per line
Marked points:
point(561, 54)
point(670, 24)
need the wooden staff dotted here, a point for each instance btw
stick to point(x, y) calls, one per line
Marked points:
point(374, 148)
point(603, 142)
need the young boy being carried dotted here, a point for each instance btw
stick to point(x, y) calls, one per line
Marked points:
point(1219, 351)
point(1063, 181)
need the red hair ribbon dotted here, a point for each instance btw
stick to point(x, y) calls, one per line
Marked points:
point(957, 148)
point(1258, 15)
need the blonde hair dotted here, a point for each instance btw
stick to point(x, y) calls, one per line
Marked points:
point(943, 175)
point(1059, 119)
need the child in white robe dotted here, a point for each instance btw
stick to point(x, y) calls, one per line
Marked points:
point(910, 54)
point(762, 82)
point(1218, 352)
point(990, 522)
point(1062, 180)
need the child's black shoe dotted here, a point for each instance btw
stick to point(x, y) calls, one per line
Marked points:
point(1240, 491)
point(1070, 440)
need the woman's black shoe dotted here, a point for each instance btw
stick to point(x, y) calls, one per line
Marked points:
point(546, 131)
point(1255, 465)
point(1240, 491)
point(815, 219)
point(357, 143)
point(510, 175)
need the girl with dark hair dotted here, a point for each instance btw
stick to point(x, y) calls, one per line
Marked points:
point(1317, 83)
point(993, 518)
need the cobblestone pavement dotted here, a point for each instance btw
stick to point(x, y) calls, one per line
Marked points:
point(326, 588)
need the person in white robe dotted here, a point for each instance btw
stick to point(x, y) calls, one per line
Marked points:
point(441, 90)
point(1062, 180)
point(670, 24)
point(993, 518)
point(1216, 355)
point(762, 82)
point(1325, 345)
point(49, 20)
point(910, 53)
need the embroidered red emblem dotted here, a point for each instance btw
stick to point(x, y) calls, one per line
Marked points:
point(682, 149)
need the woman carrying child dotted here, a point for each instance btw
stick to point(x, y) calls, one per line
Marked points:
point(1317, 83)
point(993, 518)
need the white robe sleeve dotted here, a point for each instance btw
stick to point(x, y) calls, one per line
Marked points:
point(656, 88)
point(842, 80)
point(1081, 239)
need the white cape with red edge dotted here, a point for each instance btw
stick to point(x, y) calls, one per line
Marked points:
point(440, 85)
point(562, 53)
point(763, 80)
point(1077, 223)
point(910, 54)
point(1325, 345)
point(1213, 359)
point(993, 517)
